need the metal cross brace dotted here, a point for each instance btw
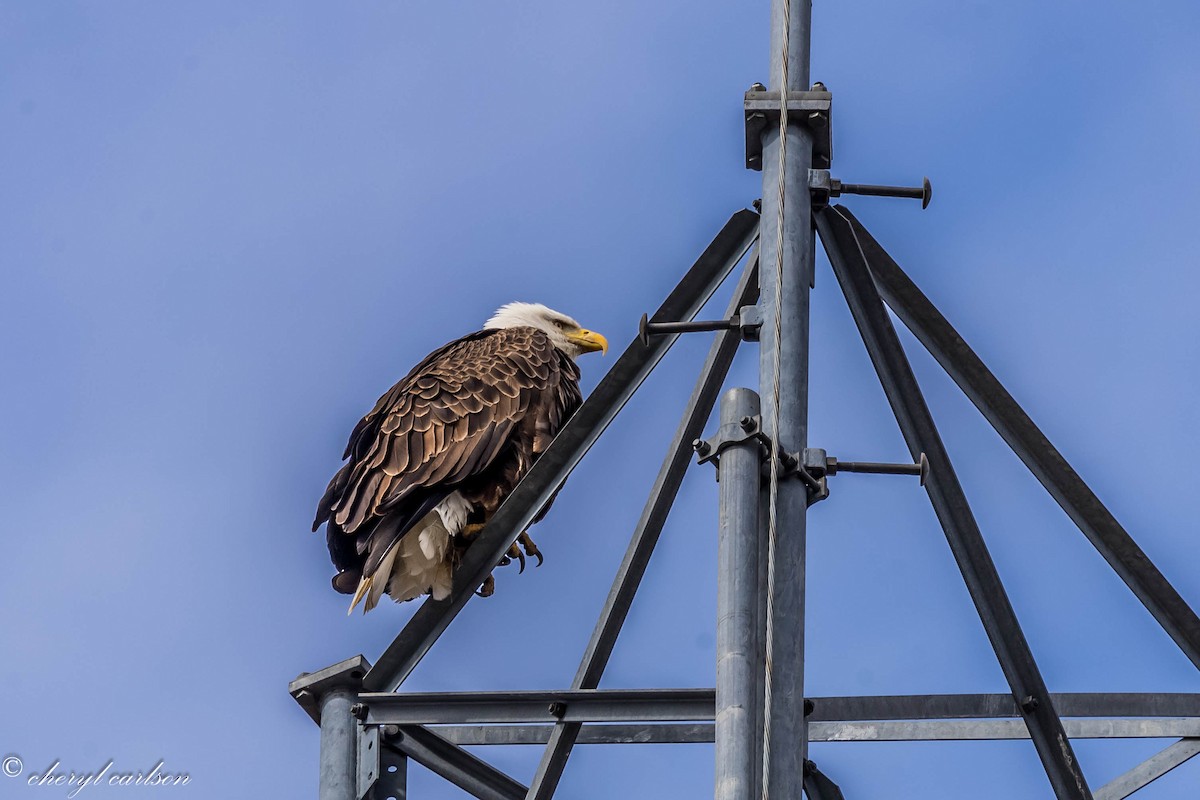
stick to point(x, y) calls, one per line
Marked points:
point(952, 509)
point(1000, 409)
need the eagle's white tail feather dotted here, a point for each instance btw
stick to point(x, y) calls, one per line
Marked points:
point(377, 587)
point(419, 563)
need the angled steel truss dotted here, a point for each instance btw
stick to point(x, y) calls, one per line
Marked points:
point(369, 730)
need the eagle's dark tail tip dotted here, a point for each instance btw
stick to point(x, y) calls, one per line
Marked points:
point(347, 582)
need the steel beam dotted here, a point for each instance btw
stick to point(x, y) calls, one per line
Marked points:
point(952, 510)
point(1149, 770)
point(645, 534)
point(889, 731)
point(998, 729)
point(699, 705)
point(786, 246)
point(1063, 483)
point(738, 731)
point(581, 705)
point(643, 733)
point(564, 453)
point(466, 771)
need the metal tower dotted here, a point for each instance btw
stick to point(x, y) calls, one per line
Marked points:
point(758, 714)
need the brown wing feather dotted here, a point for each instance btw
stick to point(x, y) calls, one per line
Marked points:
point(447, 420)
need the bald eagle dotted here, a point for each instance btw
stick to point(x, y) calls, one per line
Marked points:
point(433, 460)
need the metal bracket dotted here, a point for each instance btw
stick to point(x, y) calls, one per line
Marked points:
point(370, 764)
point(812, 109)
point(750, 429)
point(747, 322)
point(919, 469)
point(823, 186)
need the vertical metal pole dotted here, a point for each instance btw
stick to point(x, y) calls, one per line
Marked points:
point(339, 747)
point(785, 297)
point(738, 639)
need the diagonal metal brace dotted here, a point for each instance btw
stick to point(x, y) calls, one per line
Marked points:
point(951, 507)
point(465, 770)
point(818, 786)
point(1028, 441)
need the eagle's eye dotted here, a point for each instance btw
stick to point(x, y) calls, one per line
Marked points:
point(562, 326)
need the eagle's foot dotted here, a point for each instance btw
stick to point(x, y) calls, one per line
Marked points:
point(471, 530)
point(488, 588)
point(531, 549)
point(513, 552)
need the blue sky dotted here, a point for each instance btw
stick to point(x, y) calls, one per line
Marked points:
point(226, 228)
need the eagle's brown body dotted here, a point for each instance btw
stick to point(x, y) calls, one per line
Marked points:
point(449, 440)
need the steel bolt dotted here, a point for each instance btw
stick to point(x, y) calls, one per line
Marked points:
point(819, 87)
point(359, 711)
point(747, 424)
point(757, 87)
point(809, 707)
point(1030, 704)
point(558, 710)
point(702, 447)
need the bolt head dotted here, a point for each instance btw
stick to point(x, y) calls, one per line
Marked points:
point(700, 446)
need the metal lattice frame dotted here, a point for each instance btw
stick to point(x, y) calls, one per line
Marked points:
point(369, 731)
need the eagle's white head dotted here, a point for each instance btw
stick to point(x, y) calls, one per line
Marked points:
point(564, 332)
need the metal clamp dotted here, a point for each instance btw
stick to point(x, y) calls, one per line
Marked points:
point(823, 186)
point(750, 429)
point(747, 322)
point(812, 109)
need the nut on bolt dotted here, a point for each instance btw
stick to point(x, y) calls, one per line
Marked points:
point(359, 711)
point(558, 710)
point(1030, 704)
point(747, 424)
point(701, 447)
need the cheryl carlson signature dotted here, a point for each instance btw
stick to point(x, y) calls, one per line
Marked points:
point(75, 782)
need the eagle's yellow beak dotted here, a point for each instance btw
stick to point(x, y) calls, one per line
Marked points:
point(588, 341)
